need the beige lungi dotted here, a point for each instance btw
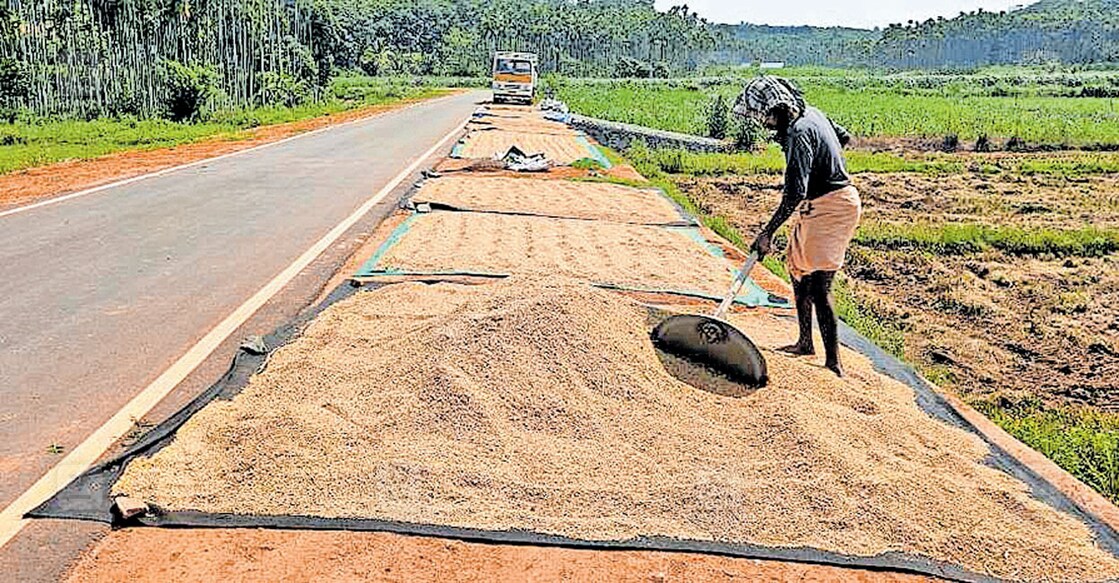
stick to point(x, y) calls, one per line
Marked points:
point(821, 231)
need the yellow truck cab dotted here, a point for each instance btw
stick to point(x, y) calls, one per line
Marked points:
point(514, 77)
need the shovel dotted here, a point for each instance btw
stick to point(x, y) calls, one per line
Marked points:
point(712, 342)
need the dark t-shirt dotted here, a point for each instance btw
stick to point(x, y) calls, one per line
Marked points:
point(814, 157)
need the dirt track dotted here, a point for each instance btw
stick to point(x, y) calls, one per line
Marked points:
point(205, 556)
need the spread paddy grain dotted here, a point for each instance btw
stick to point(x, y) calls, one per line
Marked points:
point(542, 405)
point(534, 123)
point(561, 149)
point(553, 198)
point(640, 256)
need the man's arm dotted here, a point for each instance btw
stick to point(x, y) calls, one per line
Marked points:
point(798, 168)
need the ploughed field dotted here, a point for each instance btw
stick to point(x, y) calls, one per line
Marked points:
point(1002, 288)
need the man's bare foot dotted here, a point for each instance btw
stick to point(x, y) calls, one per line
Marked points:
point(798, 349)
point(836, 368)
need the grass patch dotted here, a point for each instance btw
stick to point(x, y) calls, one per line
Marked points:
point(672, 161)
point(865, 106)
point(1076, 165)
point(778, 268)
point(36, 142)
point(588, 164)
point(861, 317)
point(862, 161)
point(771, 161)
point(964, 238)
point(614, 158)
point(724, 229)
point(1082, 441)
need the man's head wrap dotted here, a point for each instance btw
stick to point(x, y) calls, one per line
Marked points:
point(762, 94)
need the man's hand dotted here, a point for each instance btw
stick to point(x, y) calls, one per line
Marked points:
point(763, 244)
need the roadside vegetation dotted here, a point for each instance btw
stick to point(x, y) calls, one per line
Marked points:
point(37, 140)
point(996, 274)
point(92, 58)
point(83, 78)
point(1080, 440)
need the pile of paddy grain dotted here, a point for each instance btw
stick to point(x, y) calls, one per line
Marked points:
point(541, 405)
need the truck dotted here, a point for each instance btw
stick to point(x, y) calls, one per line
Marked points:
point(514, 77)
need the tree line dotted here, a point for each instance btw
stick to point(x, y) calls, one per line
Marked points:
point(106, 57)
point(175, 57)
point(1050, 31)
point(1064, 31)
point(572, 37)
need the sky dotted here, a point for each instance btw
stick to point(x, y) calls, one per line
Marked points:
point(855, 13)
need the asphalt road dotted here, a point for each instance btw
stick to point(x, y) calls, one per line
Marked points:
point(100, 294)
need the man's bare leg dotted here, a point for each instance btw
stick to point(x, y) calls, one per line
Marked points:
point(802, 290)
point(821, 282)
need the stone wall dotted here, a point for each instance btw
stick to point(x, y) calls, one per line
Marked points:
point(618, 136)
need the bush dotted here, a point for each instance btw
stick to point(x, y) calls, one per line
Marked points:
point(387, 62)
point(302, 63)
point(717, 118)
point(189, 88)
point(15, 81)
point(370, 90)
point(283, 89)
point(588, 164)
point(629, 67)
point(11, 138)
point(1016, 144)
point(747, 133)
point(1099, 92)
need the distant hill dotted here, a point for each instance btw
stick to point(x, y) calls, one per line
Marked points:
point(1065, 31)
point(1068, 31)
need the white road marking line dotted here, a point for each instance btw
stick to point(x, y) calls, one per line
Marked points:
point(94, 446)
point(126, 181)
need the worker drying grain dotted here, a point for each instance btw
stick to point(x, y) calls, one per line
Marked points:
point(818, 195)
